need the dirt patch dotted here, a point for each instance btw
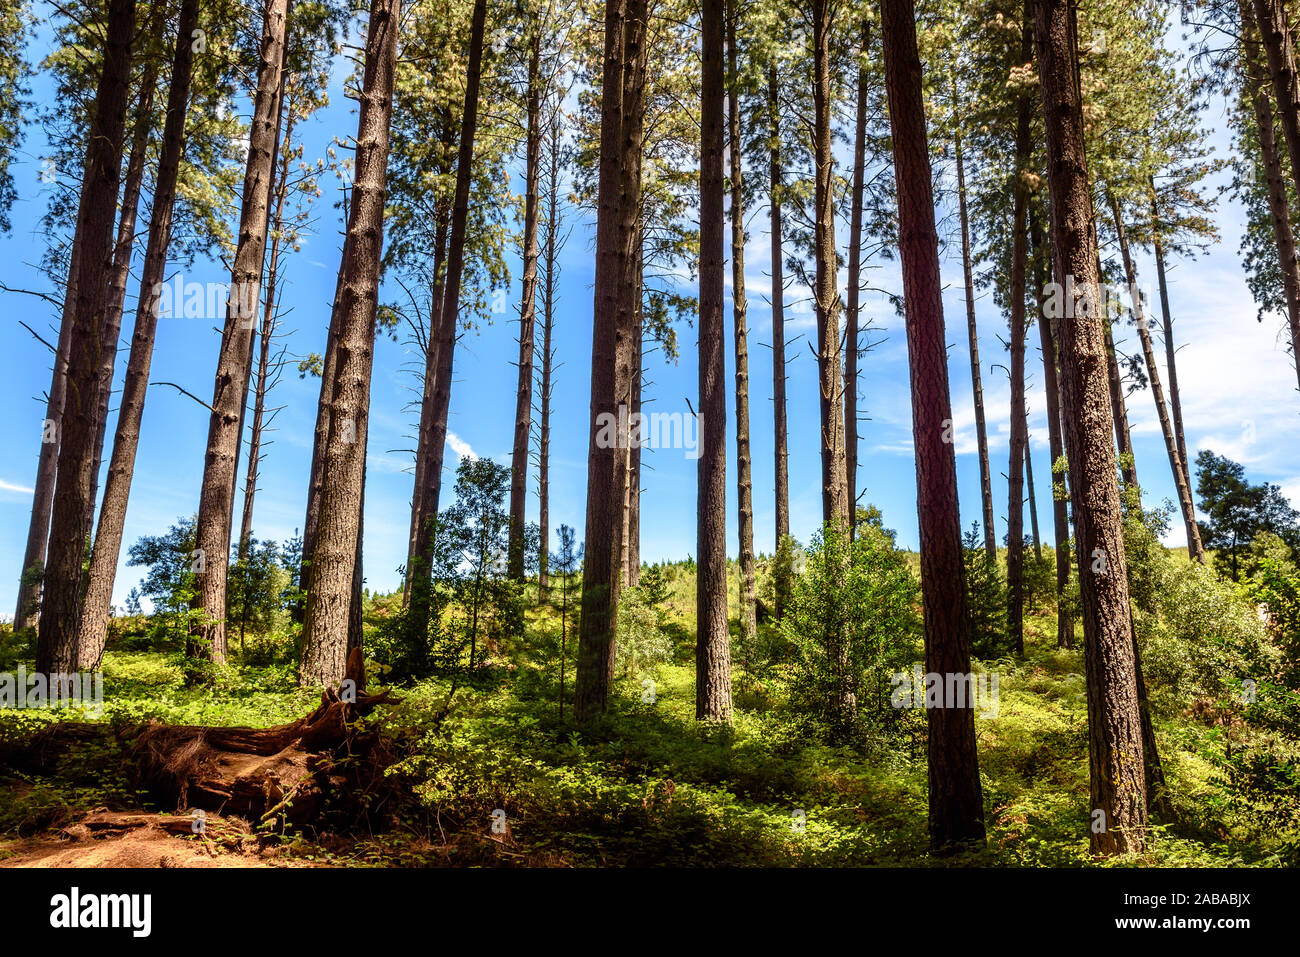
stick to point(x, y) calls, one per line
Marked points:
point(125, 839)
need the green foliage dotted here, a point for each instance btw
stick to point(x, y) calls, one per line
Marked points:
point(986, 597)
point(853, 622)
point(1237, 511)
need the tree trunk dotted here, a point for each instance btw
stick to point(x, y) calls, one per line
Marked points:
point(56, 648)
point(712, 648)
point(972, 334)
point(632, 531)
point(852, 336)
point(1288, 262)
point(27, 612)
point(436, 292)
point(956, 800)
point(1033, 504)
point(1019, 436)
point(1118, 818)
point(126, 437)
point(835, 503)
point(548, 356)
point(527, 313)
point(781, 449)
point(331, 582)
point(235, 359)
point(1271, 22)
point(1123, 441)
point(123, 251)
point(446, 335)
point(1175, 397)
point(1194, 548)
point(1056, 446)
point(266, 335)
point(614, 313)
point(740, 313)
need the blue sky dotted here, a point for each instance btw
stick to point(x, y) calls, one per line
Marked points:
point(1237, 380)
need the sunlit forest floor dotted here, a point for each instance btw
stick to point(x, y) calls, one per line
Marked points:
point(646, 784)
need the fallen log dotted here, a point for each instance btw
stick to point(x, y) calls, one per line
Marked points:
point(283, 773)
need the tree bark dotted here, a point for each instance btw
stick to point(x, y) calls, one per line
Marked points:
point(1175, 397)
point(527, 313)
point(614, 316)
point(1194, 548)
point(126, 437)
point(712, 649)
point(1271, 22)
point(548, 355)
point(1114, 724)
point(780, 443)
point(216, 499)
point(333, 576)
point(835, 503)
point(123, 251)
point(58, 631)
point(740, 313)
point(955, 796)
point(266, 335)
point(1019, 435)
point(1123, 440)
point(27, 611)
point(1033, 503)
point(972, 335)
point(852, 336)
point(1278, 205)
point(446, 335)
point(1047, 336)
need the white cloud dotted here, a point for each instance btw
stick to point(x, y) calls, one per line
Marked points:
point(460, 446)
point(11, 487)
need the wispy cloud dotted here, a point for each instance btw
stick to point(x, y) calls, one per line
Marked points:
point(460, 446)
point(11, 487)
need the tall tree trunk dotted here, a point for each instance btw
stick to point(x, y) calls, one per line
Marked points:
point(852, 332)
point(437, 289)
point(56, 647)
point(1019, 435)
point(448, 321)
point(1033, 503)
point(632, 531)
point(835, 503)
point(27, 611)
point(1175, 397)
point(1279, 47)
point(333, 568)
point(216, 499)
point(712, 647)
point(614, 315)
point(781, 446)
point(548, 356)
point(1119, 410)
point(740, 313)
point(972, 335)
point(1118, 818)
point(1288, 262)
point(956, 799)
point(123, 251)
point(126, 437)
point(321, 434)
point(1194, 548)
point(266, 335)
point(527, 312)
point(1047, 336)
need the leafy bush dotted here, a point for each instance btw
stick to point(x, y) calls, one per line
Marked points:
point(853, 621)
point(986, 597)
